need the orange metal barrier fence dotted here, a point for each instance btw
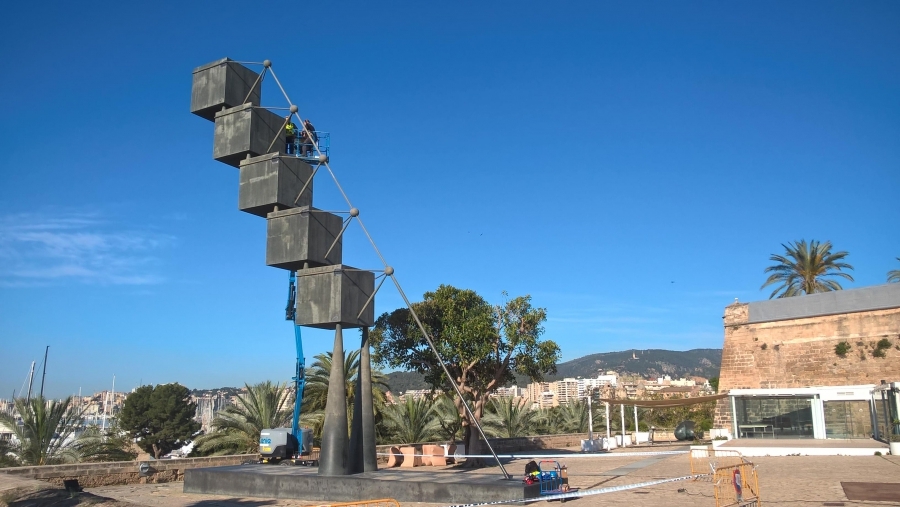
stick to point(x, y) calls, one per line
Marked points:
point(736, 486)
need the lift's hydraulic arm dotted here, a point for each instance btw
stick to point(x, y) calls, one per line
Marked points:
point(300, 375)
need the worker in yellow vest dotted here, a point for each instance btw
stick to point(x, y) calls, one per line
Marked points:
point(290, 135)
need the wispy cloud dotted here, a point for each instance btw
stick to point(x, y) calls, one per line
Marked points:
point(39, 249)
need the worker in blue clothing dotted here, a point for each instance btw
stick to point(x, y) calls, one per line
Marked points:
point(290, 136)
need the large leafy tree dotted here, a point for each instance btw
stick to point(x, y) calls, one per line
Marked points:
point(160, 418)
point(236, 429)
point(47, 436)
point(806, 269)
point(894, 274)
point(483, 346)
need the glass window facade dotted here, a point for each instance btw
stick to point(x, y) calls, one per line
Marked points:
point(887, 409)
point(848, 419)
point(774, 416)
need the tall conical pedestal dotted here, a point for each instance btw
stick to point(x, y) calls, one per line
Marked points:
point(362, 439)
point(333, 458)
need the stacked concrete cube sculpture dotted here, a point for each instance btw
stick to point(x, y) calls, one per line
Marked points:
point(221, 85)
point(329, 296)
point(300, 238)
point(247, 130)
point(273, 181)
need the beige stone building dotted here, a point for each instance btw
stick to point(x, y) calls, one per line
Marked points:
point(808, 366)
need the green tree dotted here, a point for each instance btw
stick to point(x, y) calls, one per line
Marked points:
point(448, 417)
point(47, 436)
point(894, 274)
point(573, 417)
point(411, 421)
point(236, 429)
point(7, 458)
point(804, 269)
point(160, 418)
point(316, 393)
point(509, 417)
point(47, 433)
point(482, 346)
point(714, 384)
point(98, 445)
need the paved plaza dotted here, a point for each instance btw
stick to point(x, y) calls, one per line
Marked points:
point(789, 481)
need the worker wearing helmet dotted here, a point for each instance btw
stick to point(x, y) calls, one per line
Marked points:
point(290, 135)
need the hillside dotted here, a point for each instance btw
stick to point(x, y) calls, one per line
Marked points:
point(650, 363)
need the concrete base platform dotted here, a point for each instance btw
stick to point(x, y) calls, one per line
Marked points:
point(403, 485)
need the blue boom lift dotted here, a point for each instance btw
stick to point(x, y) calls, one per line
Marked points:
point(278, 445)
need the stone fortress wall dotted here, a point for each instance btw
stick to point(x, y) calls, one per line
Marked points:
point(790, 342)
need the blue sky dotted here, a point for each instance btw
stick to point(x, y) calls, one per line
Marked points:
point(632, 166)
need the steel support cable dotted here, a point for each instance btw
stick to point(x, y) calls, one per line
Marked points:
point(338, 237)
point(456, 388)
point(383, 278)
point(283, 125)
point(308, 182)
point(258, 81)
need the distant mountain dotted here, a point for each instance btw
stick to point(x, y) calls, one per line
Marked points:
point(648, 363)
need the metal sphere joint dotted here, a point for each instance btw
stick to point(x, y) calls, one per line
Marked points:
point(389, 271)
point(294, 108)
point(267, 63)
point(354, 212)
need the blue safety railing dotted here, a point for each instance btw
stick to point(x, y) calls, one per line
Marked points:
point(306, 151)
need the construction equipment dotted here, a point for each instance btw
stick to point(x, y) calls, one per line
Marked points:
point(291, 446)
point(306, 151)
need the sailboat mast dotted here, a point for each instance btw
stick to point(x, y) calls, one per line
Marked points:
point(113, 407)
point(44, 375)
point(30, 381)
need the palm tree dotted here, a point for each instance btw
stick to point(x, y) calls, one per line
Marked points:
point(573, 417)
point(447, 415)
point(47, 433)
point(509, 417)
point(317, 378)
point(235, 430)
point(894, 274)
point(113, 444)
point(803, 268)
point(412, 421)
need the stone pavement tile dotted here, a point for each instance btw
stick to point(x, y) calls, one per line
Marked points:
point(9, 482)
point(793, 481)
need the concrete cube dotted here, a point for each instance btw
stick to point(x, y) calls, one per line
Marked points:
point(331, 295)
point(221, 85)
point(302, 235)
point(247, 130)
point(273, 180)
